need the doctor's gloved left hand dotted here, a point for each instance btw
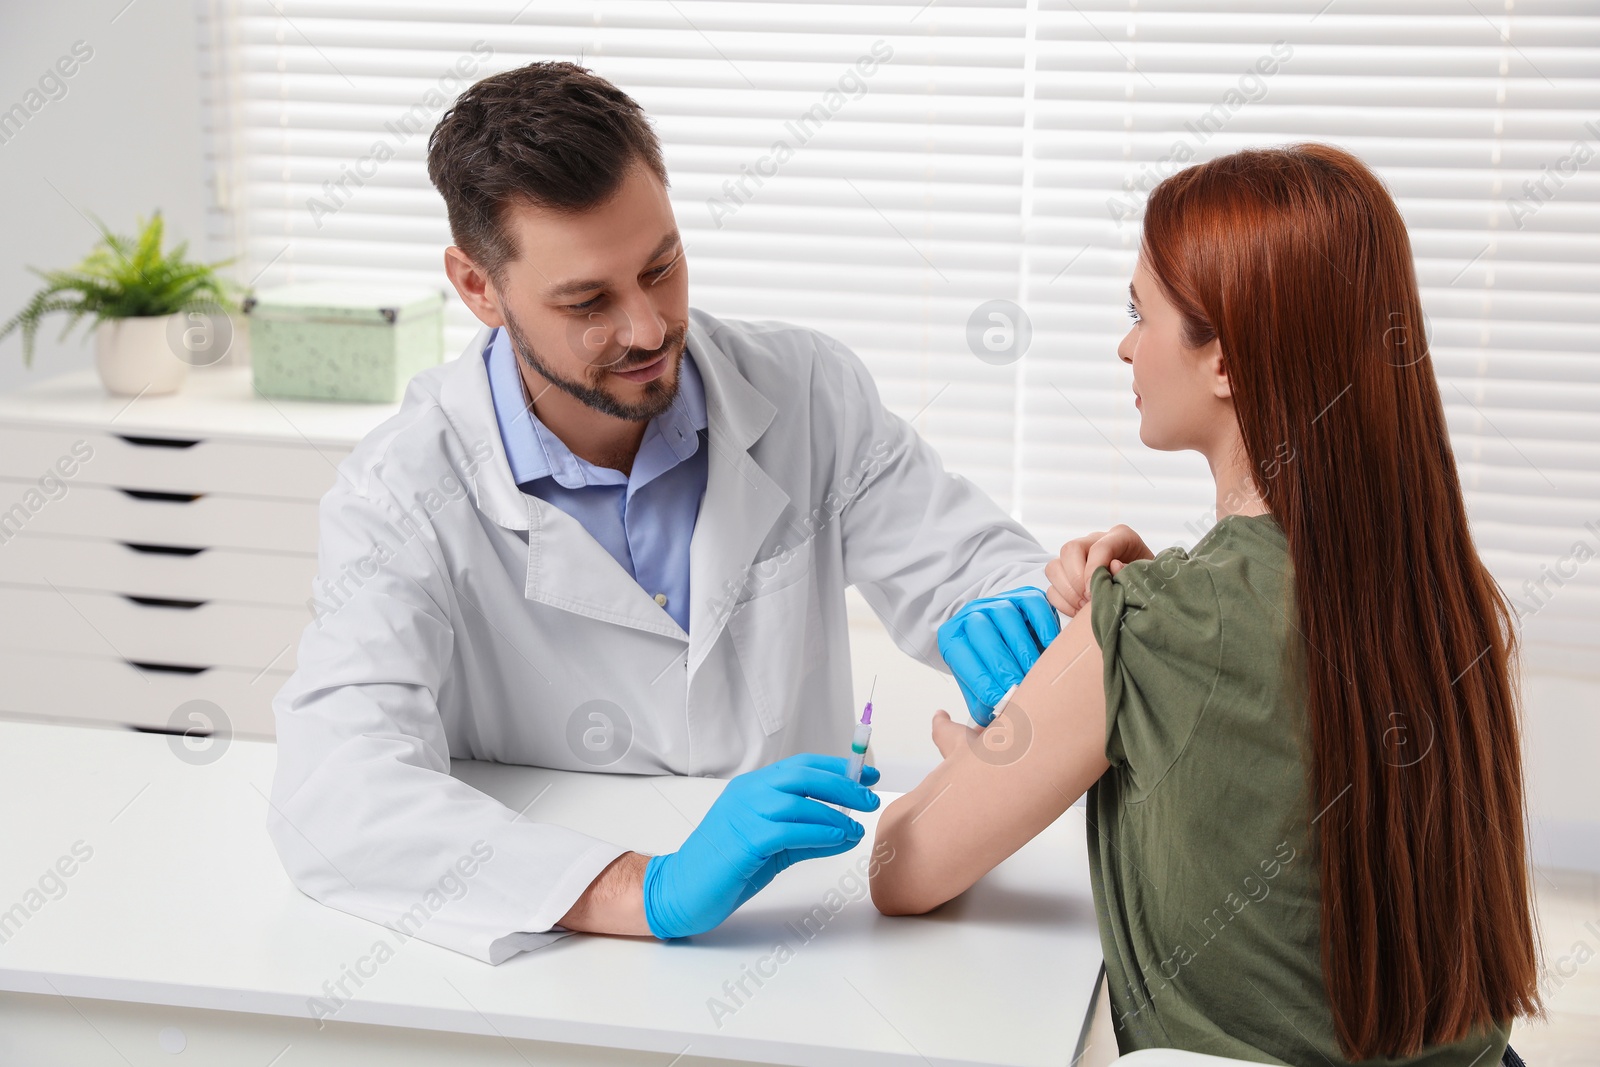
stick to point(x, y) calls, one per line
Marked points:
point(765, 820)
point(993, 641)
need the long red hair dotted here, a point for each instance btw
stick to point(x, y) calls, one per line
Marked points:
point(1297, 261)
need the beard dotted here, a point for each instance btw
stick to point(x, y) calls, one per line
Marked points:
point(657, 397)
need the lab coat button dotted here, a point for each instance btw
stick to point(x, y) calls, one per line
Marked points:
point(661, 599)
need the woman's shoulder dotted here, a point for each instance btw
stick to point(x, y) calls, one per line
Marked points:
point(1241, 556)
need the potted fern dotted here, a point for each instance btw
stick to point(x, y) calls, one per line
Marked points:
point(155, 313)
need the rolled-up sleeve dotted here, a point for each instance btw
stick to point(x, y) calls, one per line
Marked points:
point(1159, 625)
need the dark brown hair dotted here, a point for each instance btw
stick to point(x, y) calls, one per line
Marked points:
point(554, 135)
point(1297, 261)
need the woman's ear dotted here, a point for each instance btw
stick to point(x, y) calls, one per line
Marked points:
point(1217, 370)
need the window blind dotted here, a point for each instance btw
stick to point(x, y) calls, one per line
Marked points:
point(886, 172)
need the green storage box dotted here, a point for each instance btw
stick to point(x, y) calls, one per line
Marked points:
point(343, 342)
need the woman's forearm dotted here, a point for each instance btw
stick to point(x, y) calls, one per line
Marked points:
point(925, 871)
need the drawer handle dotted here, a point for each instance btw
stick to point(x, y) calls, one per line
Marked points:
point(154, 494)
point(166, 668)
point(162, 550)
point(163, 602)
point(174, 731)
point(159, 442)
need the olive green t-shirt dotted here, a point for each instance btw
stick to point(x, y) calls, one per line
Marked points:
point(1200, 835)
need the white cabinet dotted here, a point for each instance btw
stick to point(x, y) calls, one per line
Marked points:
point(160, 550)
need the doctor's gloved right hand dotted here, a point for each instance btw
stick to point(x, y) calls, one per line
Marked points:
point(765, 820)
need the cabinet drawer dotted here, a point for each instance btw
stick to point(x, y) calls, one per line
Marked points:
point(251, 637)
point(207, 521)
point(91, 565)
point(173, 463)
point(103, 689)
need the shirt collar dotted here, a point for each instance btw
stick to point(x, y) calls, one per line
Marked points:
point(534, 451)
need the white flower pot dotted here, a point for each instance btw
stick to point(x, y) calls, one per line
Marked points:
point(135, 356)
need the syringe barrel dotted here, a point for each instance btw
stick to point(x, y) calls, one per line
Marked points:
point(858, 750)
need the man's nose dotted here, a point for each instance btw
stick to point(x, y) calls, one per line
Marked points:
point(638, 325)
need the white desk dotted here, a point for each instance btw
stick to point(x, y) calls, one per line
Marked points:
point(182, 929)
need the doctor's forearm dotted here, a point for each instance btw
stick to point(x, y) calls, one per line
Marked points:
point(614, 901)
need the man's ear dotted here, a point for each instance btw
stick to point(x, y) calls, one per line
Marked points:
point(475, 287)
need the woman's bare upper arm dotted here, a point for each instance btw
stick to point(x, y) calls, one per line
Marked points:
point(994, 793)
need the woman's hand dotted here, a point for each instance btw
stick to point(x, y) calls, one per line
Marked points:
point(1070, 572)
point(949, 735)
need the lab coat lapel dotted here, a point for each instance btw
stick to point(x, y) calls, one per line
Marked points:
point(567, 568)
point(742, 501)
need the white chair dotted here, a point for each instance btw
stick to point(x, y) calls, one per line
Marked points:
point(1098, 1048)
point(1171, 1057)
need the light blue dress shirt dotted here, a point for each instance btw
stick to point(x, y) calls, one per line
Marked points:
point(645, 519)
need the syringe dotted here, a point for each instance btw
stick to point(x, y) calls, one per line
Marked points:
point(863, 734)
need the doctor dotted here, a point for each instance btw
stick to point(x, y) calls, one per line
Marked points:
point(613, 535)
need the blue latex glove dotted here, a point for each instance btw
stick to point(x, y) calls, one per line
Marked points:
point(990, 644)
point(763, 822)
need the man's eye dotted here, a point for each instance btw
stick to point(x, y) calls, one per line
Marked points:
point(662, 271)
point(585, 306)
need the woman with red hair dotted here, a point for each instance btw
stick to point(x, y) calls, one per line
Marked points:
point(1300, 738)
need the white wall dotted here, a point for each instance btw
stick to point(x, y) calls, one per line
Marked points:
point(122, 140)
point(1562, 741)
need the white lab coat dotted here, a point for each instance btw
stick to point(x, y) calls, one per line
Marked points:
point(489, 625)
